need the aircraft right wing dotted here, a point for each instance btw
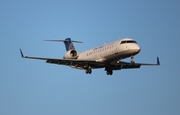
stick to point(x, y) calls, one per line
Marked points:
point(67, 62)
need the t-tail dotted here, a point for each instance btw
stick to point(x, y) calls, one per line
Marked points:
point(68, 43)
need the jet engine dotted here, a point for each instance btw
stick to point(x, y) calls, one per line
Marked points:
point(71, 54)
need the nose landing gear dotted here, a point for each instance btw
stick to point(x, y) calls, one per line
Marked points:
point(132, 60)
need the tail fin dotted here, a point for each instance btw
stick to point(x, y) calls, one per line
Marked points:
point(68, 43)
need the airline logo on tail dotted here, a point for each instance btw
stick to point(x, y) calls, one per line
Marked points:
point(71, 46)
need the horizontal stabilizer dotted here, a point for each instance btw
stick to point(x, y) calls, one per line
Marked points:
point(68, 43)
point(63, 41)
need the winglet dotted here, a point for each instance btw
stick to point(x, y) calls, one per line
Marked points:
point(21, 53)
point(158, 62)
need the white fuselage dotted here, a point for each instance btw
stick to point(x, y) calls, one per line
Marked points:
point(114, 51)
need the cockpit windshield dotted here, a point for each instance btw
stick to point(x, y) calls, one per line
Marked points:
point(128, 41)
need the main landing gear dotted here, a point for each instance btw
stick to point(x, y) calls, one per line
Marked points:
point(88, 70)
point(109, 72)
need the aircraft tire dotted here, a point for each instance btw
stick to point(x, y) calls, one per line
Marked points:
point(109, 72)
point(88, 71)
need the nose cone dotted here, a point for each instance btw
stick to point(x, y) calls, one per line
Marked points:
point(138, 49)
point(135, 49)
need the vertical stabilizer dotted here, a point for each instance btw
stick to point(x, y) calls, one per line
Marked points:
point(68, 44)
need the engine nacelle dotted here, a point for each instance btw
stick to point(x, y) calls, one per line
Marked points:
point(71, 54)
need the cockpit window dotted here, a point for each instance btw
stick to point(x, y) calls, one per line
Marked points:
point(130, 41)
point(123, 42)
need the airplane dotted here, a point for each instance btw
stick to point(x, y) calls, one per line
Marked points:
point(107, 56)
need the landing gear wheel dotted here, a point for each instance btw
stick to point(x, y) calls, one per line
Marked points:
point(109, 72)
point(88, 70)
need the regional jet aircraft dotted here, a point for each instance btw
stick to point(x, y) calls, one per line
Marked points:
point(107, 56)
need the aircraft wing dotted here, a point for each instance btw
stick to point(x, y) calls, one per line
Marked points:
point(127, 65)
point(67, 62)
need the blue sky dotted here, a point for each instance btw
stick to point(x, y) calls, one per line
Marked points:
point(34, 87)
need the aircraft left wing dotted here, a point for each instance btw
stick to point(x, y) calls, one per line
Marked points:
point(143, 64)
point(127, 65)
